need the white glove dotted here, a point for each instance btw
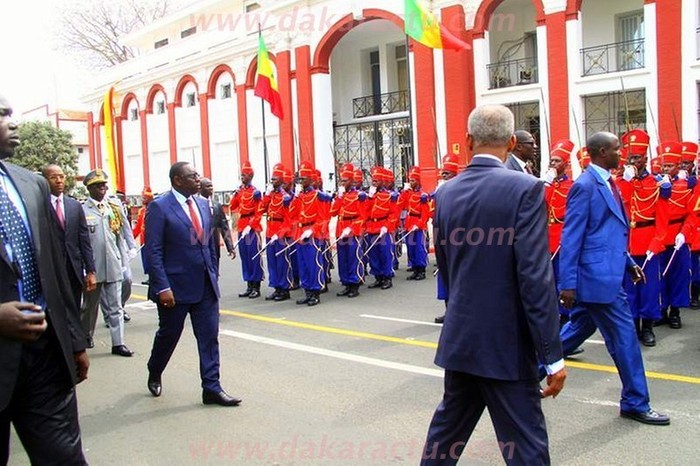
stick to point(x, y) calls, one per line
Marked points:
point(629, 173)
point(269, 189)
point(274, 238)
point(383, 231)
point(680, 241)
point(649, 255)
point(550, 175)
point(406, 186)
point(245, 231)
point(682, 175)
point(341, 191)
point(414, 228)
point(346, 232)
point(666, 180)
point(133, 252)
point(372, 191)
point(297, 189)
point(307, 234)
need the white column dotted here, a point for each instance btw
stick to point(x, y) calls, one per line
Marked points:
point(323, 125)
point(650, 63)
point(573, 54)
point(481, 59)
point(690, 72)
point(440, 110)
point(543, 67)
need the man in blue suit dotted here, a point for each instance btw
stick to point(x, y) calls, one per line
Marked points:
point(492, 251)
point(592, 265)
point(183, 280)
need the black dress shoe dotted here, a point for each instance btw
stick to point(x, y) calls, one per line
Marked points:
point(219, 398)
point(440, 319)
point(253, 294)
point(304, 300)
point(648, 337)
point(377, 283)
point(154, 385)
point(386, 284)
point(650, 417)
point(122, 350)
point(145, 282)
point(90, 342)
point(674, 321)
point(576, 351)
point(354, 291)
point(314, 298)
point(345, 292)
point(272, 296)
point(127, 317)
point(417, 275)
point(324, 289)
point(247, 291)
point(283, 295)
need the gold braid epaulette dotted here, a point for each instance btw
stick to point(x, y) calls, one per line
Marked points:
point(115, 220)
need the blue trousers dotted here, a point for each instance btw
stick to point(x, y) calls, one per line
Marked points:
point(614, 320)
point(247, 248)
point(695, 268)
point(327, 259)
point(644, 299)
point(279, 267)
point(294, 256)
point(555, 268)
point(417, 251)
point(442, 293)
point(311, 264)
point(675, 286)
point(350, 267)
point(144, 260)
point(381, 256)
point(205, 324)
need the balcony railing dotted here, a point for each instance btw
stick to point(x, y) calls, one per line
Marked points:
point(609, 58)
point(380, 104)
point(512, 73)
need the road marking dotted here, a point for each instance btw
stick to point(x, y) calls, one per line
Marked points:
point(394, 319)
point(336, 354)
point(433, 345)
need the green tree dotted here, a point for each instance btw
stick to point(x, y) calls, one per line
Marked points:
point(42, 144)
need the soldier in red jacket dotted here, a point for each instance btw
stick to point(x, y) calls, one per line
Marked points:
point(246, 201)
point(275, 207)
point(382, 219)
point(688, 162)
point(648, 224)
point(416, 203)
point(349, 206)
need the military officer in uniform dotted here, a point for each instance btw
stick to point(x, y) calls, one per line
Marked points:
point(107, 225)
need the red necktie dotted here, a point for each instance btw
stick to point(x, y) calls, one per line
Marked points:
point(615, 192)
point(195, 220)
point(59, 214)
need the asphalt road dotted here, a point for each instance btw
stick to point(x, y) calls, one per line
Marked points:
point(352, 381)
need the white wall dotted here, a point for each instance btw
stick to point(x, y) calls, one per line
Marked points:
point(159, 147)
point(511, 20)
point(189, 136)
point(133, 161)
point(223, 138)
point(599, 19)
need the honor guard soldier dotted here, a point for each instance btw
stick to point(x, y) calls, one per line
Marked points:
point(349, 205)
point(656, 169)
point(450, 169)
point(289, 189)
point(675, 260)
point(648, 228)
point(327, 253)
point(584, 160)
point(246, 201)
point(140, 228)
point(688, 159)
point(275, 207)
point(382, 219)
point(416, 203)
point(313, 207)
point(557, 187)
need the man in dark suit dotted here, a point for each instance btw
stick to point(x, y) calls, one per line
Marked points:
point(73, 234)
point(183, 280)
point(220, 222)
point(522, 156)
point(501, 288)
point(42, 343)
point(592, 266)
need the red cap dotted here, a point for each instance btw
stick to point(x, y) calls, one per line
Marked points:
point(562, 148)
point(671, 152)
point(388, 175)
point(636, 141)
point(450, 163)
point(583, 158)
point(288, 176)
point(278, 171)
point(358, 176)
point(689, 151)
point(656, 165)
point(376, 174)
point(347, 171)
point(623, 157)
point(414, 174)
point(147, 192)
point(246, 168)
point(317, 176)
point(307, 170)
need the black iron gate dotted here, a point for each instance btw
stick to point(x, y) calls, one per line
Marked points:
point(385, 143)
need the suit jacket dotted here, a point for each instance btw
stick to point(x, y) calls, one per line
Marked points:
point(61, 312)
point(492, 253)
point(75, 238)
point(512, 164)
point(177, 259)
point(593, 255)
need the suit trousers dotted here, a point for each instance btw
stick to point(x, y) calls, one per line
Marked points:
point(43, 408)
point(515, 409)
point(614, 320)
point(350, 267)
point(205, 325)
point(644, 298)
point(442, 293)
point(108, 296)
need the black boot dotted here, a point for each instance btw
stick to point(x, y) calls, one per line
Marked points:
point(354, 291)
point(254, 290)
point(247, 291)
point(283, 295)
point(345, 292)
point(324, 289)
point(664, 318)
point(314, 299)
point(418, 274)
point(273, 296)
point(378, 282)
point(440, 319)
point(648, 337)
point(386, 284)
point(674, 318)
point(305, 300)
point(694, 296)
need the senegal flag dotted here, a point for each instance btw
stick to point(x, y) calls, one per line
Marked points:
point(265, 82)
point(422, 26)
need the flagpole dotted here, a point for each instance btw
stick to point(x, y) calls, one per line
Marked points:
point(410, 100)
point(262, 108)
